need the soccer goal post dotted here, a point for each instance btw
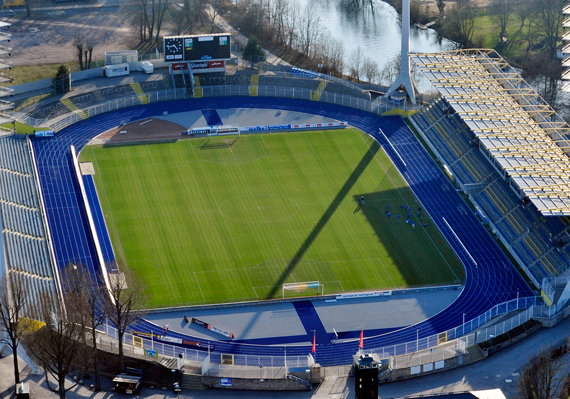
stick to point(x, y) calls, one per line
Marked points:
point(224, 131)
point(304, 287)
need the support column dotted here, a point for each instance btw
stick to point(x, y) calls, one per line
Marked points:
point(405, 76)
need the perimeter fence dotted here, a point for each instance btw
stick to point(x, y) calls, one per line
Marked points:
point(463, 330)
point(144, 347)
point(141, 345)
point(79, 115)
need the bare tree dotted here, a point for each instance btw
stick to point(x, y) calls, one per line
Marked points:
point(213, 10)
point(58, 348)
point(253, 16)
point(78, 43)
point(441, 7)
point(291, 23)
point(279, 8)
point(500, 13)
point(84, 299)
point(185, 16)
point(356, 63)
point(523, 9)
point(548, 21)
point(88, 50)
point(370, 70)
point(128, 297)
point(544, 377)
point(160, 9)
point(331, 53)
point(14, 299)
point(309, 29)
point(391, 70)
point(460, 22)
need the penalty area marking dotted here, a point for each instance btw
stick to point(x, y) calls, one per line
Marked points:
point(150, 153)
point(386, 270)
point(198, 281)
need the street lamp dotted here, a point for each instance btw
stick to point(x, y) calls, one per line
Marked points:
point(285, 359)
point(418, 339)
point(491, 341)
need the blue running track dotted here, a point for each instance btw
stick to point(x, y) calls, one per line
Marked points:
point(212, 117)
point(311, 321)
point(494, 280)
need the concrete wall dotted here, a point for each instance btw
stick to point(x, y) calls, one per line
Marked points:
point(31, 86)
point(255, 384)
point(513, 340)
point(86, 74)
point(406, 373)
point(549, 323)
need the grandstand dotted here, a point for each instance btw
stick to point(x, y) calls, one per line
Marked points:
point(507, 149)
point(25, 237)
point(491, 278)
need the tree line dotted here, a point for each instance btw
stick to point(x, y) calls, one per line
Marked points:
point(61, 337)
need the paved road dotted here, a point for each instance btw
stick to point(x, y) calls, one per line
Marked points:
point(486, 374)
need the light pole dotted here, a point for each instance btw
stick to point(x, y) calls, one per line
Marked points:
point(491, 341)
point(463, 333)
point(285, 359)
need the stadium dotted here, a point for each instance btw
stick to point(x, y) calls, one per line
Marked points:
point(279, 185)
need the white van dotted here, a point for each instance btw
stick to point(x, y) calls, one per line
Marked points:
point(117, 70)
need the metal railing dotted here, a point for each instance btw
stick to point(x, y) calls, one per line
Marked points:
point(544, 312)
point(278, 361)
point(249, 364)
point(322, 76)
point(124, 102)
point(197, 355)
point(464, 329)
point(79, 115)
point(429, 356)
point(550, 284)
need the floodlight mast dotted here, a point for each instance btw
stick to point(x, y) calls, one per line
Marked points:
point(405, 76)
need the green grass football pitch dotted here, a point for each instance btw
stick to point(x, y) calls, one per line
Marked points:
point(232, 219)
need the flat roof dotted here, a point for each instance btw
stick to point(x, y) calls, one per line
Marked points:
point(520, 134)
point(129, 379)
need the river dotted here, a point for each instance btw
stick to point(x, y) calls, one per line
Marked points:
point(376, 29)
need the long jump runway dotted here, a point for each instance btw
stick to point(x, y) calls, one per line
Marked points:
point(492, 280)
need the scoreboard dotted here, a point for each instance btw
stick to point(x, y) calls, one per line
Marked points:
point(197, 47)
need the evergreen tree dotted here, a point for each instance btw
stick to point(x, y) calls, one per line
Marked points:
point(253, 51)
point(61, 81)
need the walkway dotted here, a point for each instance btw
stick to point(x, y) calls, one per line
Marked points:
point(486, 374)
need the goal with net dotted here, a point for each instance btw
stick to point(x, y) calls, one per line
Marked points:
point(214, 131)
point(304, 288)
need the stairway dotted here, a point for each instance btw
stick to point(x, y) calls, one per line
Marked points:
point(192, 381)
point(384, 370)
point(168, 362)
point(299, 380)
point(475, 353)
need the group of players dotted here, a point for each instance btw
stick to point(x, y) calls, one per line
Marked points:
point(404, 207)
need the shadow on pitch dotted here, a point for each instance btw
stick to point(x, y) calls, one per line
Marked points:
point(335, 203)
point(218, 142)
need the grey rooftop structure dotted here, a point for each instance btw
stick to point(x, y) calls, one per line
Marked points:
point(517, 131)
